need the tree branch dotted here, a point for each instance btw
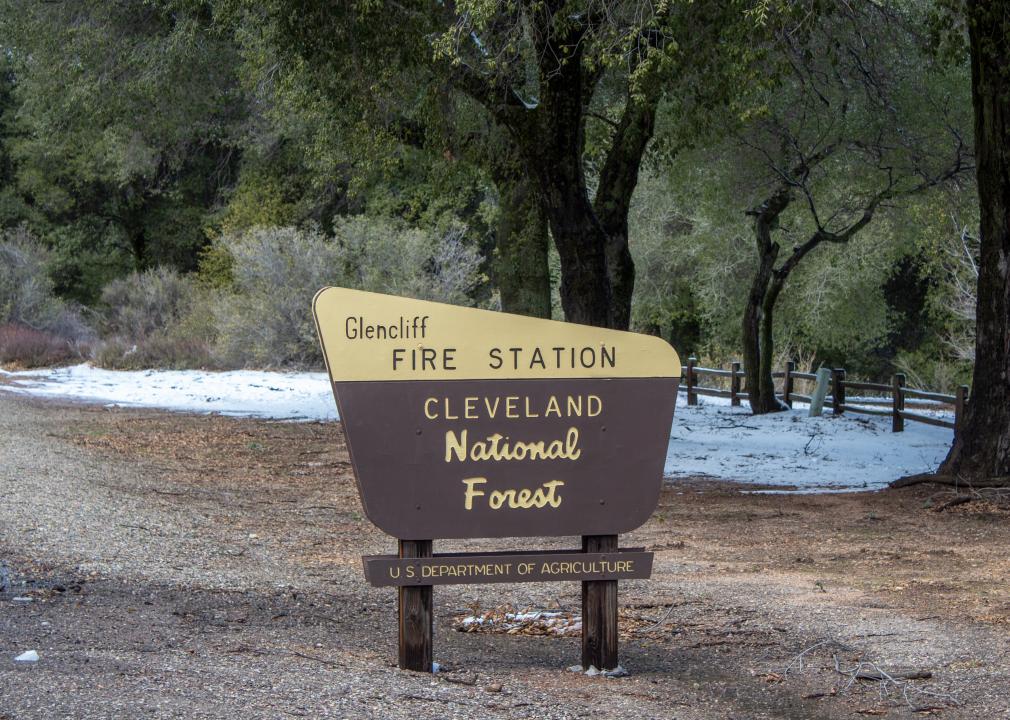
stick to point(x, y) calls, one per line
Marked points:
point(632, 134)
point(869, 210)
point(619, 175)
point(501, 101)
point(604, 119)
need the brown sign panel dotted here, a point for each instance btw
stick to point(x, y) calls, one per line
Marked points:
point(465, 423)
point(507, 567)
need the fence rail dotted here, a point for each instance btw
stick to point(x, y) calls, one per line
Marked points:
point(900, 395)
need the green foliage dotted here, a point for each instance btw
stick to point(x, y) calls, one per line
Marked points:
point(665, 301)
point(694, 254)
point(127, 117)
point(257, 141)
point(947, 240)
point(215, 267)
point(261, 198)
point(86, 253)
point(854, 118)
point(13, 210)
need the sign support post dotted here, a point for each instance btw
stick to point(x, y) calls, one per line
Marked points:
point(415, 611)
point(599, 611)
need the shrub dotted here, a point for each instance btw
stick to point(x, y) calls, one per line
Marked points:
point(25, 290)
point(35, 322)
point(141, 303)
point(157, 318)
point(166, 350)
point(266, 320)
point(29, 348)
point(383, 256)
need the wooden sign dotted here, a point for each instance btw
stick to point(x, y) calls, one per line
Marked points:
point(465, 423)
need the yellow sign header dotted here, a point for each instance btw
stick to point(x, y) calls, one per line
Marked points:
point(371, 337)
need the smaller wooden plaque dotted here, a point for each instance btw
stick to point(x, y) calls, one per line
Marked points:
point(507, 567)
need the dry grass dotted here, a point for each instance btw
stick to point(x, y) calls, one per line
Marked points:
point(25, 347)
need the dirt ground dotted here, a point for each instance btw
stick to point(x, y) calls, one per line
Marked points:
point(180, 566)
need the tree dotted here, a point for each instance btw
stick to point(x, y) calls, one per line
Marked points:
point(355, 89)
point(127, 130)
point(980, 454)
point(857, 122)
point(541, 69)
point(8, 108)
point(544, 74)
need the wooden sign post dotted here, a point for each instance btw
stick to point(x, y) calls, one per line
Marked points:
point(599, 611)
point(465, 423)
point(415, 614)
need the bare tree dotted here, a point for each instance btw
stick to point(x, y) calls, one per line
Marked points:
point(852, 129)
point(961, 281)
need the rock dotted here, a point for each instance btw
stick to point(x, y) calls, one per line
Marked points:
point(28, 656)
point(592, 671)
point(460, 678)
point(495, 687)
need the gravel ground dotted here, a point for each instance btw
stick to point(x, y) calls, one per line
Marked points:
point(180, 566)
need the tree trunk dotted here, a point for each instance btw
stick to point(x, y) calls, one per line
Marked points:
point(621, 273)
point(581, 243)
point(520, 267)
point(767, 400)
point(981, 449)
point(618, 179)
point(553, 146)
point(757, 338)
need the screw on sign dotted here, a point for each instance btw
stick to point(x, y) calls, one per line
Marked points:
point(465, 423)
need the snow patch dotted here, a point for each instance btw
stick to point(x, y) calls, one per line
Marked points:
point(243, 393)
point(819, 454)
point(534, 622)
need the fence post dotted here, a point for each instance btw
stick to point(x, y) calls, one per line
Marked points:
point(960, 398)
point(734, 384)
point(787, 383)
point(820, 390)
point(838, 391)
point(692, 396)
point(898, 388)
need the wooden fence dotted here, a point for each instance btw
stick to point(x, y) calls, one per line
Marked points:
point(899, 406)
